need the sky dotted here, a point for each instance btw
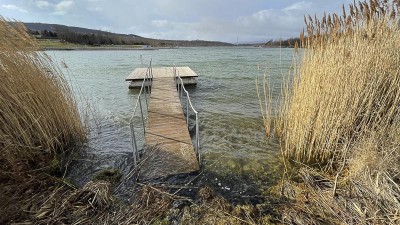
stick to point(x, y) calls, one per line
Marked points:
point(233, 21)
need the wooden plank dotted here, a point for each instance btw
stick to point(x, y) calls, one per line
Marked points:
point(160, 72)
point(168, 146)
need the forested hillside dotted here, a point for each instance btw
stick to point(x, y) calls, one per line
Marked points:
point(84, 36)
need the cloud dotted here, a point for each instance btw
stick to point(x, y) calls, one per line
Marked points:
point(14, 7)
point(43, 4)
point(298, 6)
point(261, 25)
point(95, 9)
point(257, 25)
point(160, 23)
point(270, 21)
point(63, 7)
point(222, 20)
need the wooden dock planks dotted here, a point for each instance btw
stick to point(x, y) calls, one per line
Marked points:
point(168, 146)
point(159, 72)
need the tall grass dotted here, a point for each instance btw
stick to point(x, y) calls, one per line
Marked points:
point(39, 119)
point(339, 118)
point(347, 84)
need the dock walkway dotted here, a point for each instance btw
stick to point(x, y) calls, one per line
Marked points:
point(186, 73)
point(168, 148)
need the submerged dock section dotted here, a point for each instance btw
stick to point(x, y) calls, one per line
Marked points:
point(189, 77)
point(168, 148)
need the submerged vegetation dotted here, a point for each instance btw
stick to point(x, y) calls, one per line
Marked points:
point(110, 175)
point(339, 122)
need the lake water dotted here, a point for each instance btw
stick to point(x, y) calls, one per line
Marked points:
point(237, 158)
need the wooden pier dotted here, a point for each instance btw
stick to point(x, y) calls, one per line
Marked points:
point(168, 148)
point(188, 76)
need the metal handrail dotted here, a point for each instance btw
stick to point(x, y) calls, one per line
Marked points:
point(181, 88)
point(145, 88)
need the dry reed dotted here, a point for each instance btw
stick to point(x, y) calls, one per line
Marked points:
point(340, 115)
point(39, 119)
point(347, 84)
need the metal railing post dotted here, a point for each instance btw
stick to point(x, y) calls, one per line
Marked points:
point(134, 145)
point(197, 138)
point(145, 93)
point(141, 112)
point(187, 111)
point(151, 68)
point(180, 91)
point(181, 83)
point(151, 74)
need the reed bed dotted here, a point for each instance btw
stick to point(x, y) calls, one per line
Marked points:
point(347, 84)
point(339, 119)
point(39, 119)
point(39, 124)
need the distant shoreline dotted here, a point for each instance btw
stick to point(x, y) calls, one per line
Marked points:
point(109, 48)
point(98, 48)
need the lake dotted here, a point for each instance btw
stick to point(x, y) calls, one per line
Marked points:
point(237, 158)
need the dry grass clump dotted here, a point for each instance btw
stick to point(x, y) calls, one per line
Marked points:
point(91, 204)
point(95, 204)
point(213, 209)
point(340, 115)
point(20, 196)
point(374, 200)
point(39, 119)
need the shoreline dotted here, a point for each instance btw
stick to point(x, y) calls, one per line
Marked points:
point(138, 49)
point(98, 48)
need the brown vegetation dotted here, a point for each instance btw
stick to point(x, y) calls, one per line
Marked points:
point(39, 122)
point(340, 115)
point(39, 119)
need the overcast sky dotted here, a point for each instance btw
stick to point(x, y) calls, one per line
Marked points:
point(218, 20)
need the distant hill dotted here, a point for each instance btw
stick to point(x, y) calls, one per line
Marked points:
point(58, 27)
point(87, 36)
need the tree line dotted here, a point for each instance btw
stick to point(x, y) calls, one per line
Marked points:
point(100, 38)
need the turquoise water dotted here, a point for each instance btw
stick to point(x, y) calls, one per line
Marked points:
point(232, 138)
